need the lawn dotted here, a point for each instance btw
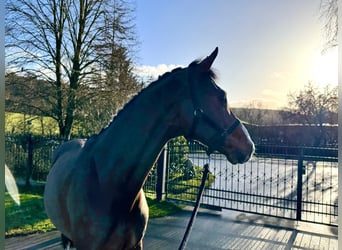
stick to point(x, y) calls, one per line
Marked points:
point(188, 189)
point(23, 123)
point(30, 217)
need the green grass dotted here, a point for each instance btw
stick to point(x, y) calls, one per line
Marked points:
point(162, 208)
point(19, 123)
point(30, 217)
point(188, 189)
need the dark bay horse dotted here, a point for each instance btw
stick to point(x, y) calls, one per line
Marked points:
point(93, 193)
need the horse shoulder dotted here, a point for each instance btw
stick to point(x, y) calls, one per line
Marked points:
point(57, 188)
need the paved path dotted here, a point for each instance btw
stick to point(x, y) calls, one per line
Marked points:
point(213, 230)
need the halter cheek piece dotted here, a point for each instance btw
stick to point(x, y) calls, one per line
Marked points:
point(220, 135)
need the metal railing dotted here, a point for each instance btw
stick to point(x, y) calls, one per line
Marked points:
point(290, 182)
point(29, 157)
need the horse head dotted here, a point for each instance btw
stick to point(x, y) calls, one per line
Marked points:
point(210, 119)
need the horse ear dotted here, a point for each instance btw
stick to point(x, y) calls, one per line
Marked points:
point(208, 61)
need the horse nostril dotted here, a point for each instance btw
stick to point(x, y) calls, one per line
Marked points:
point(244, 157)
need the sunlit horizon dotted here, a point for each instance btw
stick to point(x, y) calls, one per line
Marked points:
point(322, 71)
point(264, 54)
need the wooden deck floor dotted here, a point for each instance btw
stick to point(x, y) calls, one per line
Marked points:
point(213, 230)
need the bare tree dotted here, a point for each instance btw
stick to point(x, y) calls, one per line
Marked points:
point(313, 106)
point(58, 41)
point(116, 82)
point(329, 15)
point(54, 40)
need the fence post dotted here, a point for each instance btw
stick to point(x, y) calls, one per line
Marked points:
point(161, 175)
point(29, 160)
point(299, 185)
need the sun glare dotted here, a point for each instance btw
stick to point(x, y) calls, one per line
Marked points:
point(325, 68)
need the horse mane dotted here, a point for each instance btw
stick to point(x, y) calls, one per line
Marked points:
point(133, 99)
point(161, 78)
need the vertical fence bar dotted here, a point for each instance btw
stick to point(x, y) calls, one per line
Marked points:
point(29, 160)
point(161, 175)
point(299, 185)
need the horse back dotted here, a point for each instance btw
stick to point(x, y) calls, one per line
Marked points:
point(68, 147)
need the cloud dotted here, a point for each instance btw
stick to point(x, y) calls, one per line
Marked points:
point(153, 72)
point(273, 93)
point(276, 75)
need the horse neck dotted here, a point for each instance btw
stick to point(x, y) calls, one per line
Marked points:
point(125, 152)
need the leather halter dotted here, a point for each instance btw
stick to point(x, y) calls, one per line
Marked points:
point(199, 115)
point(221, 133)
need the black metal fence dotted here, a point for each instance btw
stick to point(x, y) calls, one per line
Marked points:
point(29, 157)
point(289, 182)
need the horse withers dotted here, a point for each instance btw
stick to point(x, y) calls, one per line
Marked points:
point(93, 193)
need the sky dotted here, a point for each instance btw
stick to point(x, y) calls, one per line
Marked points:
point(267, 48)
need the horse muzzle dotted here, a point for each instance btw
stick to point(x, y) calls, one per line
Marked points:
point(238, 157)
point(238, 147)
